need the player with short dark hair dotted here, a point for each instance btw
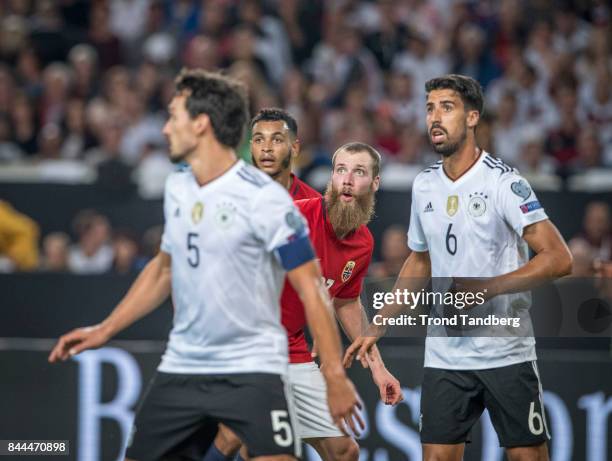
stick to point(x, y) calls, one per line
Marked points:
point(344, 246)
point(231, 234)
point(474, 216)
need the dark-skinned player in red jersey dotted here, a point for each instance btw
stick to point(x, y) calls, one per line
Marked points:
point(344, 247)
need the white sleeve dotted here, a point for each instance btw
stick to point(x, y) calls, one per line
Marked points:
point(165, 240)
point(416, 236)
point(517, 203)
point(278, 223)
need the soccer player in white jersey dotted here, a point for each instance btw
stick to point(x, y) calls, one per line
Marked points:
point(230, 235)
point(473, 216)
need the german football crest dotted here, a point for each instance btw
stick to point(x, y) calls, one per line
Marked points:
point(452, 205)
point(197, 212)
point(348, 271)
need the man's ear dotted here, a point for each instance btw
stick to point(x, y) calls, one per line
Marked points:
point(376, 183)
point(295, 148)
point(201, 124)
point(472, 118)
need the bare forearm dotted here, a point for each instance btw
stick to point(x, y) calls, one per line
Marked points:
point(322, 326)
point(414, 276)
point(552, 260)
point(149, 290)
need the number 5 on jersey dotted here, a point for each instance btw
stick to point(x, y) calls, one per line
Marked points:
point(193, 257)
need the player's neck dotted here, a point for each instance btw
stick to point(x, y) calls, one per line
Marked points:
point(210, 161)
point(457, 164)
point(284, 178)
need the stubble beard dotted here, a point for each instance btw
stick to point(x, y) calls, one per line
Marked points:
point(284, 166)
point(446, 150)
point(347, 217)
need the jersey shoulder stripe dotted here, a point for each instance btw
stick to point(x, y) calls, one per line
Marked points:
point(502, 167)
point(253, 177)
point(433, 167)
point(495, 162)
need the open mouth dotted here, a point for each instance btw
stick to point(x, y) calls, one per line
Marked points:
point(346, 196)
point(267, 162)
point(437, 135)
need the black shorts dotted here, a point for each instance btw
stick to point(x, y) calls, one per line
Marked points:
point(452, 401)
point(179, 414)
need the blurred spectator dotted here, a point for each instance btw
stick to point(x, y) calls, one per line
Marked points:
point(202, 52)
point(597, 231)
point(9, 151)
point(583, 264)
point(13, 36)
point(140, 128)
point(102, 38)
point(507, 129)
point(127, 21)
point(92, 254)
point(77, 138)
point(125, 249)
point(24, 124)
point(114, 174)
point(562, 136)
point(423, 58)
point(405, 107)
point(83, 59)
point(56, 87)
point(533, 160)
point(589, 150)
point(7, 88)
point(302, 20)
point(597, 101)
point(151, 173)
point(18, 240)
point(49, 142)
point(534, 105)
point(271, 43)
point(472, 56)
point(29, 72)
point(389, 35)
point(393, 252)
point(55, 248)
point(341, 61)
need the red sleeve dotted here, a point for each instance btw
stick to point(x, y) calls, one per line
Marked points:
point(353, 288)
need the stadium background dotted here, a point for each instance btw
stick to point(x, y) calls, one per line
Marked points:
point(83, 89)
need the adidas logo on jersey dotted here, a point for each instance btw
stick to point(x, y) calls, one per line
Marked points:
point(428, 208)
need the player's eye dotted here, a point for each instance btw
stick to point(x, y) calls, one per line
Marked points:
point(360, 172)
point(341, 169)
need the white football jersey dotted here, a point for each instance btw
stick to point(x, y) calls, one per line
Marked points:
point(473, 227)
point(228, 242)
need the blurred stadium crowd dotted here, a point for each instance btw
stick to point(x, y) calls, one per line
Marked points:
point(84, 87)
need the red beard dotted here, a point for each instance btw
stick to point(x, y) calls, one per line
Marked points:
point(347, 217)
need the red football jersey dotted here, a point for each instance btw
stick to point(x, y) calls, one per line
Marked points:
point(344, 264)
point(299, 190)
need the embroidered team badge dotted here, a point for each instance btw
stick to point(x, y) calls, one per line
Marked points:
point(477, 205)
point(348, 271)
point(197, 212)
point(452, 205)
point(225, 214)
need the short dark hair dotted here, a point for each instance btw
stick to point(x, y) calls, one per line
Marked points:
point(223, 99)
point(274, 114)
point(354, 147)
point(469, 89)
